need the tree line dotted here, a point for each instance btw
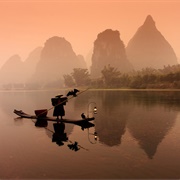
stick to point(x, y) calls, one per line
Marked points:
point(148, 78)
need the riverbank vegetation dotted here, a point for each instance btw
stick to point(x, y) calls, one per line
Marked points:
point(148, 78)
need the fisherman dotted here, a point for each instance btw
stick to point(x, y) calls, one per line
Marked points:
point(58, 102)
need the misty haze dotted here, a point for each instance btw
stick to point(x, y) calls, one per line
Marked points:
point(148, 61)
point(89, 102)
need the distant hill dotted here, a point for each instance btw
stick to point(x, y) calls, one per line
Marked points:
point(88, 59)
point(149, 48)
point(57, 58)
point(81, 61)
point(45, 66)
point(15, 72)
point(12, 71)
point(109, 50)
point(31, 62)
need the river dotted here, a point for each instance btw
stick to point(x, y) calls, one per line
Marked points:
point(138, 135)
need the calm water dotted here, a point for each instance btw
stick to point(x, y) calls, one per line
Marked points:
point(138, 137)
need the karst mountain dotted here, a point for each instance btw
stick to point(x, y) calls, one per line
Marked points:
point(149, 48)
point(15, 73)
point(57, 59)
point(109, 49)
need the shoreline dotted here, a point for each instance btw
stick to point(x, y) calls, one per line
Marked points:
point(89, 89)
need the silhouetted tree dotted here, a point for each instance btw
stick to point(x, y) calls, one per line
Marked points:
point(169, 77)
point(110, 76)
point(68, 80)
point(125, 80)
point(81, 76)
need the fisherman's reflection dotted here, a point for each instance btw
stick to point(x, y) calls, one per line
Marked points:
point(59, 136)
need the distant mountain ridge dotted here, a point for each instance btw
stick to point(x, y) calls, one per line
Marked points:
point(12, 70)
point(48, 64)
point(16, 71)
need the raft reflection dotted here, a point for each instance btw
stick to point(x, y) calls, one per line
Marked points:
point(58, 133)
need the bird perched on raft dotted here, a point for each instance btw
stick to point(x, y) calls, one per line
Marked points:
point(83, 116)
point(72, 93)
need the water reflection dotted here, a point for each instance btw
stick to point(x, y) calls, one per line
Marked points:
point(149, 126)
point(113, 113)
point(59, 133)
point(59, 136)
point(148, 116)
point(137, 132)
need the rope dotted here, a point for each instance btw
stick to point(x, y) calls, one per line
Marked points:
point(80, 92)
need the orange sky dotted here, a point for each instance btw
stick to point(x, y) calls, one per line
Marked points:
point(27, 24)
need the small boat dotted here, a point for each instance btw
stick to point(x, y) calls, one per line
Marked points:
point(22, 114)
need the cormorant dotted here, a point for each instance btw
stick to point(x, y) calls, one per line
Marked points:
point(73, 93)
point(83, 116)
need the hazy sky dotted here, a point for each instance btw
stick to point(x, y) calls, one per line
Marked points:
point(27, 24)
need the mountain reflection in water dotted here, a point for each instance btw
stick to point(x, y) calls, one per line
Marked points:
point(146, 115)
point(137, 136)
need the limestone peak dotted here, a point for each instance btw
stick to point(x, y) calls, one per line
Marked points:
point(149, 21)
